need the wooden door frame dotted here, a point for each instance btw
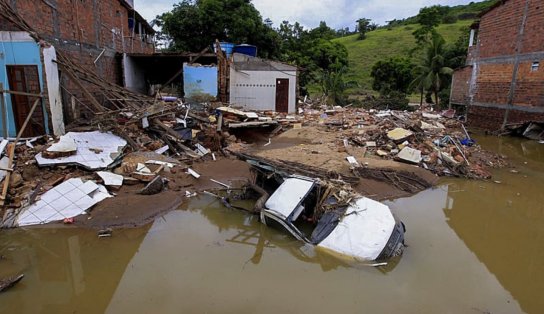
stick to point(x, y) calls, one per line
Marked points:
point(29, 100)
point(277, 102)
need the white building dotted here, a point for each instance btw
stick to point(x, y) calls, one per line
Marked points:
point(258, 84)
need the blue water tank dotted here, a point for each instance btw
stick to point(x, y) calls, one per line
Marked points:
point(249, 50)
point(226, 47)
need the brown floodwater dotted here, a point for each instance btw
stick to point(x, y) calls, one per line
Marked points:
point(474, 247)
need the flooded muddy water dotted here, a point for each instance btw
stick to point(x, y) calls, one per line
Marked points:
point(474, 247)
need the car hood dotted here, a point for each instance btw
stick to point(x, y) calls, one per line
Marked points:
point(363, 231)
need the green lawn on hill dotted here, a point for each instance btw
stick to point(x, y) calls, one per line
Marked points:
point(382, 44)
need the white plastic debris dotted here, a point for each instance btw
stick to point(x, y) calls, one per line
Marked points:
point(201, 150)
point(162, 150)
point(160, 163)
point(352, 161)
point(193, 173)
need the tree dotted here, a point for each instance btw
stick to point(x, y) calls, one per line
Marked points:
point(334, 86)
point(329, 55)
point(312, 53)
point(323, 32)
point(428, 18)
point(193, 25)
point(432, 72)
point(363, 27)
point(392, 75)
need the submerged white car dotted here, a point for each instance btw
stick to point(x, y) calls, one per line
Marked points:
point(362, 229)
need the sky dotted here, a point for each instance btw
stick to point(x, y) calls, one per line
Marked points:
point(337, 13)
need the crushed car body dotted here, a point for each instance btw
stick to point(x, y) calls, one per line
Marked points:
point(364, 229)
point(328, 215)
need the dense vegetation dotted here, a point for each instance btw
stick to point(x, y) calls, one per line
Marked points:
point(334, 62)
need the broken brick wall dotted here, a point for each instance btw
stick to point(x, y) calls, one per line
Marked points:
point(509, 61)
point(83, 30)
point(460, 86)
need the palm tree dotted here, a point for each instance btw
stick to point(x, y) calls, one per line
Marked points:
point(334, 86)
point(431, 71)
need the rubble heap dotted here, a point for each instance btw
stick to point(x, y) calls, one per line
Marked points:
point(434, 141)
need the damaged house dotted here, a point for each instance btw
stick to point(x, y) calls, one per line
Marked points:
point(502, 83)
point(259, 84)
point(92, 34)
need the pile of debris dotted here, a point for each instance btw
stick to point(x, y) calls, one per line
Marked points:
point(435, 141)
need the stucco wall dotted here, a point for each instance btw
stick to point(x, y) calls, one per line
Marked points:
point(256, 90)
point(17, 48)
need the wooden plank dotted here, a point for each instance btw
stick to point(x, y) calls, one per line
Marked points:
point(4, 112)
point(87, 94)
point(21, 93)
point(174, 134)
point(11, 153)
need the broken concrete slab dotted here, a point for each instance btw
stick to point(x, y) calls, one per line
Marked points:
point(249, 115)
point(154, 187)
point(410, 155)
point(399, 134)
point(95, 150)
point(67, 200)
point(66, 146)
point(111, 179)
point(352, 161)
point(3, 146)
point(4, 164)
point(430, 115)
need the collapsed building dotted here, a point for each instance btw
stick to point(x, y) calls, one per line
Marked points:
point(92, 34)
point(502, 83)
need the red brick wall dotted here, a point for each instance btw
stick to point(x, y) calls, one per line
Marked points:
point(534, 28)
point(493, 118)
point(497, 52)
point(460, 86)
point(84, 21)
point(81, 29)
point(493, 83)
point(529, 86)
point(499, 29)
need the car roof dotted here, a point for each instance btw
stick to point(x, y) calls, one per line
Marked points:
point(289, 195)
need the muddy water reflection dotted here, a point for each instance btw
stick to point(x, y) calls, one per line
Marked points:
point(474, 247)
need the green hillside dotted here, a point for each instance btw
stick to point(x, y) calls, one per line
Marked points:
point(385, 43)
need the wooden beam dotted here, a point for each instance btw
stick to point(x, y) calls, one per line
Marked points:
point(4, 112)
point(87, 94)
point(11, 153)
point(21, 93)
point(174, 134)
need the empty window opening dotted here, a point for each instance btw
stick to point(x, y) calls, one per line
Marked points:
point(535, 66)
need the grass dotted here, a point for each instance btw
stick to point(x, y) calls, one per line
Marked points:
point(382, 44)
